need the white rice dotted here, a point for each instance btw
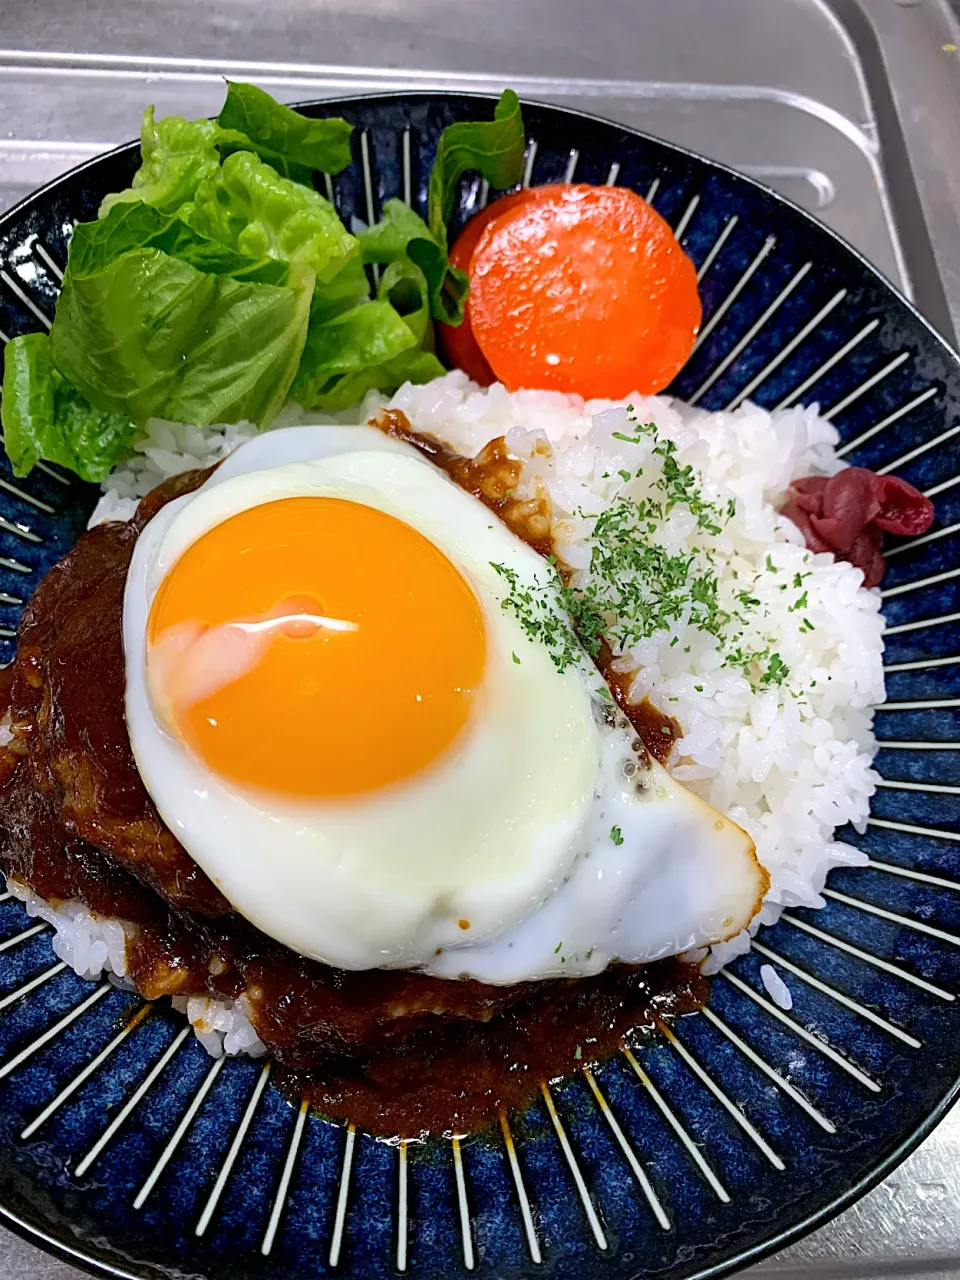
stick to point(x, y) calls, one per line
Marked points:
point(791, 762)
point(95, 946)
point(776, 988)
point(90, 944)
point(166, 449)
point(221, 1027)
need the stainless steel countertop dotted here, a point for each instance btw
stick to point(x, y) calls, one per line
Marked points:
point(850, 107)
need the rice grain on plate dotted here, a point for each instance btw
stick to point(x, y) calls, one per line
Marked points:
point(775, 987)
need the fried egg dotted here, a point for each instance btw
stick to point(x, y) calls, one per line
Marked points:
point(374, 760)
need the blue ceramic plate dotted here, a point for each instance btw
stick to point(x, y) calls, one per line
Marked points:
point(124, 1146)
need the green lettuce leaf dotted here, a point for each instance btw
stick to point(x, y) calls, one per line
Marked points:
point(387, 239)
point(125, 225)
point(176, 155)
point(373, 345)
point(44, 417)
point(250, 208)
point(149, 335)
point(405, 287)
point(448, 285)
point(401, 233)
point(294, 144)
point(220, 283)
point(348, 288)
point(182, 241)
point(137, 225)
point(368, 335)
point(493, 148)
point(410, 366)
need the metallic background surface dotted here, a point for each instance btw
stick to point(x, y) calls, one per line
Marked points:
point(849, 107)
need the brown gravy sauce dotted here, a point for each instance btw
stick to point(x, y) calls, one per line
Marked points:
point(655, 728)
point(491, 476)
point(455, 1083)
point(396, 1052)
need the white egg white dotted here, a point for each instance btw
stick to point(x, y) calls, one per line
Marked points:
point(543, 828)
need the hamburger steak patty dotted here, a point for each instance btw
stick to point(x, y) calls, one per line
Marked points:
point(76, 823)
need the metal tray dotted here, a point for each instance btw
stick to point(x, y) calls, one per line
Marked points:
point(850, 107)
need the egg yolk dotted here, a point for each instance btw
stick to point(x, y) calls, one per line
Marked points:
point(315, 647)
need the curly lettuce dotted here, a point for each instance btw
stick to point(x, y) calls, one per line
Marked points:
point(149, 335)
point(175, 156)
point(249, 207)
point(45, 417)
point(494, 149)
point(220, 284)
point(138, 226)
point(374, 346)
point(295, 145)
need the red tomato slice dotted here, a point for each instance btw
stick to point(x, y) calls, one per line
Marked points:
point(458, 343)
